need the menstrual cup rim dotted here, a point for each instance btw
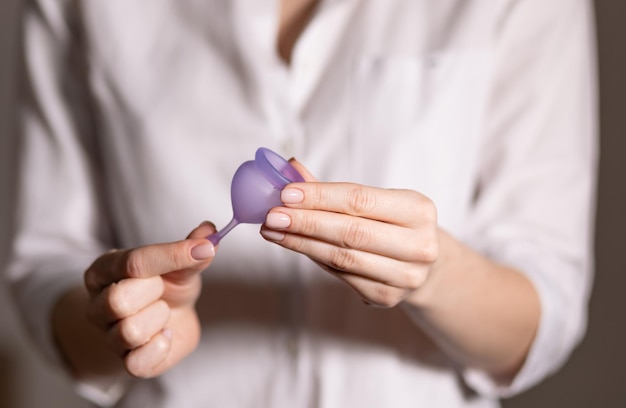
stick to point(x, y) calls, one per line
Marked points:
point(274, 175)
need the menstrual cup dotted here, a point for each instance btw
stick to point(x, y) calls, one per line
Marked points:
point(256, 188)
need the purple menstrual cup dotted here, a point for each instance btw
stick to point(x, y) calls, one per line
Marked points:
point(256, 188)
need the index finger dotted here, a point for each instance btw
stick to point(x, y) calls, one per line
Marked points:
point(304, 172)
point(148, 261)
point(400, 207)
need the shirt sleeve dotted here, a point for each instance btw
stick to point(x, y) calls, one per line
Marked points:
point(59, 222)
point(534, 209)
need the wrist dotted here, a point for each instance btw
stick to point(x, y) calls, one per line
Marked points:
point(433, 291)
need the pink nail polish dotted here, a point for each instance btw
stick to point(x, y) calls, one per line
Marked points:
point(292, 196)
point(271, 235)
point(277, 220)
point(203, 251)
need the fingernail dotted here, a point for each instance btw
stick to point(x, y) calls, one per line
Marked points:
point(291, 196)
point(167, 333)
point(209, 223)
point(277, 220)
point(271, 235)
point(203, 251)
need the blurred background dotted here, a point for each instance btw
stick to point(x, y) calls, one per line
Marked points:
point(595, 375)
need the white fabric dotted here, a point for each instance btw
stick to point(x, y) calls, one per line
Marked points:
point(139, 112)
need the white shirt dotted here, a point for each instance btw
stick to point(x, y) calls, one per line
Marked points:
point(139, 112)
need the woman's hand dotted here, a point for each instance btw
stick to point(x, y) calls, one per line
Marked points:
point(381, 242)
point(144, 298)
point(386, 243)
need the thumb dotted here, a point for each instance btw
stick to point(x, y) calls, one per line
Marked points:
point(203, 230)
point(203, 250)
point(191, 255)
point(304, 172)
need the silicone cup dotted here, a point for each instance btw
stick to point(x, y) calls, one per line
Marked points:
point(256, 188)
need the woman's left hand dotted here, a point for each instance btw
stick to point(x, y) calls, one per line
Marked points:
point(381, 242)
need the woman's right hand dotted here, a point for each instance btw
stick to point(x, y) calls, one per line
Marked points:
point(144, 300)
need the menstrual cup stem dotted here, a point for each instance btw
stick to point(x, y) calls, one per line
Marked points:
point(216, 237)
point(255, 189)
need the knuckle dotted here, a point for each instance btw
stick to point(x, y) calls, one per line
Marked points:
point(117, 301)
point(428, 210)
point(144, 362)
point(355, 235)
point(342, 259)
point(385, 297)
point(90, 279)
point(133, 264)
point(429, 253)
point(413, 278)
point(295, 243)
point(359, 201)
point(136, 368)
point(308, 225)
point(320, 196)
point(423, 209)
point(131, 333)
point(162, 312)
point(176, 256)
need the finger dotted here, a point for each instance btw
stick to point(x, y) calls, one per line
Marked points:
point(182, 277)
point(144, 361)
point(203, 230)
point(148, 261)
point(123, 299)
point(398, 242)
point(304, 172)
point(374, 293)
point(371, 266)
point(140, 328)
point(401, 207)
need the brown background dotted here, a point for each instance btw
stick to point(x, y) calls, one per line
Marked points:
point(596, 374)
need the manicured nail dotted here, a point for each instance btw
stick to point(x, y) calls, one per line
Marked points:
point(203, 251)
point(277, 220)
point(291, 196)
point(271, 235)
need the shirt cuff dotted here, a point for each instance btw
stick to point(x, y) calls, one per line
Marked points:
point(561, 326)
point(105, 394)
point(36, 294)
